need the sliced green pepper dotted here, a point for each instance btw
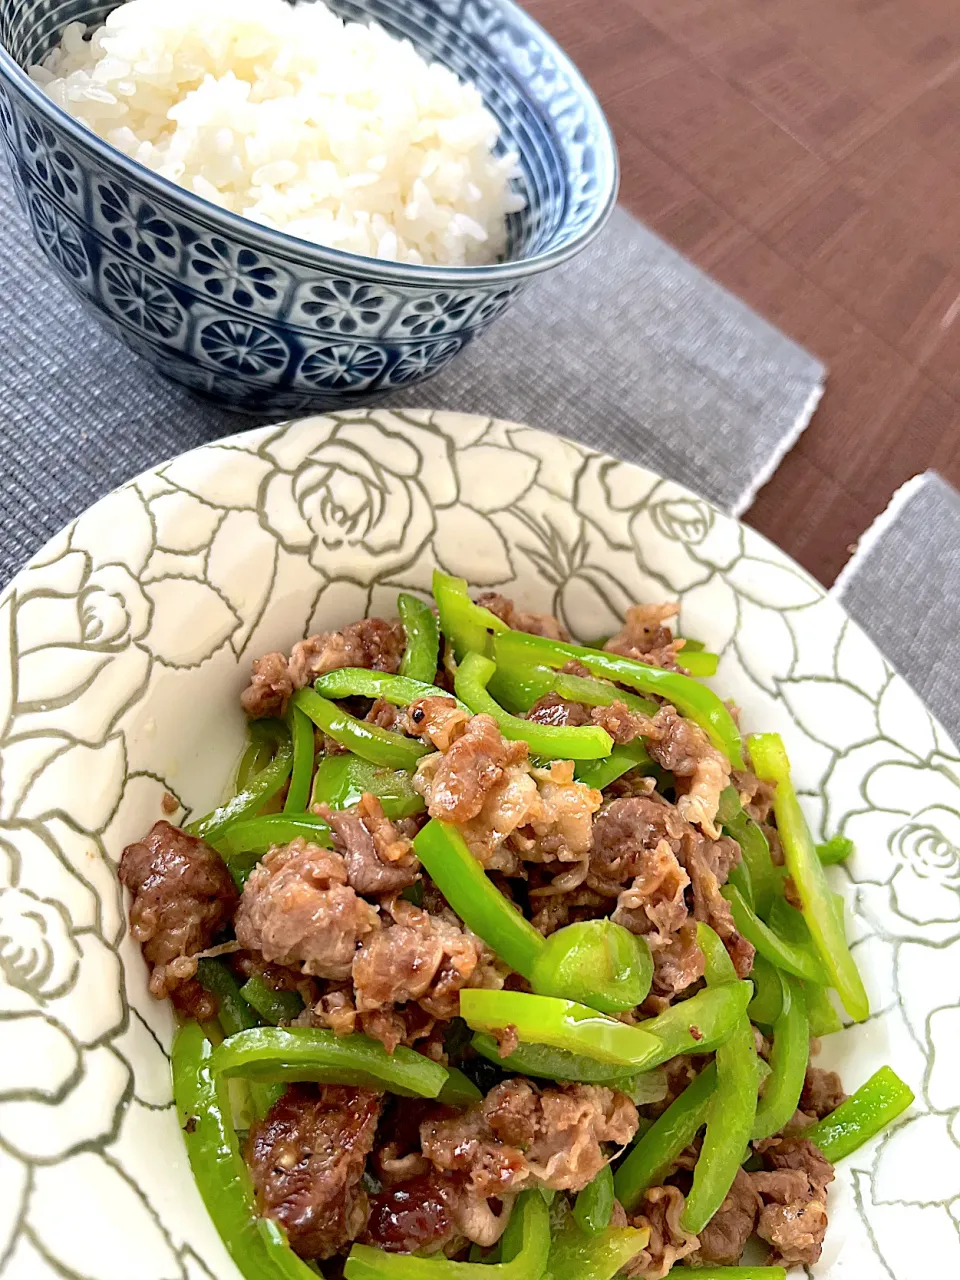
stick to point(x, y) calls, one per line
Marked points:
point(654, 1154)
point(733, 1108)
point(739, 877)
point(698, 662)
point(458, 1089)
point(528, 1262)
point(245, 803)
point(862, 1116)
point(691, 699)
point(221, 1176)
point(368, 741)
point(821, 1014)
point(598, 693)
point(264, 735)
point(479, 904)
point(767, 1003)
point(546, 1063)
point(600, 773)
point(836, 850)
point(341, 780)
point(359, 682)
point(307, 1054)
point(714, 1014)
point(235, 1015)
point(597, 962)
point(574, 1255)
point(771, 763)
point(421, 653)
point(788, 1063)
point(466, 625)
point(593, 1207)
point(765, 879)
point(273, 1006)
point(785, 955)
point(301, 733)
point(564, 742)
point(242, 844)
point(562, 1024)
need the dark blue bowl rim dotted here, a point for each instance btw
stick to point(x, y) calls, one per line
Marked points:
point(307, 251)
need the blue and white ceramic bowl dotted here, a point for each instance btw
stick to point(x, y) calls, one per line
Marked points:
point(262, 320)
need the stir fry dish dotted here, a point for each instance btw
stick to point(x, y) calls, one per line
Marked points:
point(507, 958)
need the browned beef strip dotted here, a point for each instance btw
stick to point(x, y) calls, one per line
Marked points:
point(624, 832)
point(182, 897)
point(411, 1217)
point(439, 721)
point(755, 796)
point(793, 1189)
point(372, 642)
point(377, 858)
point(701, 771)
point(660, 1210)
point(645, 638)
point(466, 774)
point(723, 1238)
point(384, 715)
point(298, 910)
point(552, 709)
point(307, 1158)
point(822, 1092)
point(537, 624)
point(708, 863)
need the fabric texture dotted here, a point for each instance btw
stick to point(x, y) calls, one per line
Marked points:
point(628, 349)
point(902, 585)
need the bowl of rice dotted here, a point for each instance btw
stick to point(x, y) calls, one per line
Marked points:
point(296, 206)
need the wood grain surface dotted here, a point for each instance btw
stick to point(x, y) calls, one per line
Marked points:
point(806, 153)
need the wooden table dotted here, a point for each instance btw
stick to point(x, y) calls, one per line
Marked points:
point(806, 153)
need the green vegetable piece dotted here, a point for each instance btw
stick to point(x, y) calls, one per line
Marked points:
point(359, 682)
point(771, 763)
point(562, 1024)
point(654, 1154)
point(242, 844)
point(421, 653)
point(691, 698)
point(767, 1003)
point(739, 878)
point(766, 880)
point(272, 1006)
point(600, 773)
point(785, 955)
point(582, 742)
point(788, 1063)
point(837, 849)
point(245, 803)
point(714, 1013)
point(340, 781)
point(821, 1014)
point(698, 662)
point(479, 904)
point(458, 1090)
point(597, 962)
point(546, 1063)
point(733, 1107)
point(574, 1255)
point(593, 1207)
point(467, 626)
point(264, 735)
point(368, 741)
point(221, 1176)
point(529, 1229)
point(301, 733)
point(597, 693)
point(874, 1105)
point(234, 1014)
point(291, 1054)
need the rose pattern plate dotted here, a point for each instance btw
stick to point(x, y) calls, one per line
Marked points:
point(125, 643)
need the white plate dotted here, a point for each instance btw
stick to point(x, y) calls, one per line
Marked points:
point(124, 645)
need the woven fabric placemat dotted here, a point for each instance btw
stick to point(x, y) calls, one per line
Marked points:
point(629, 349)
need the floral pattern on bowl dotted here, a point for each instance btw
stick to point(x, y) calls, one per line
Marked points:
point(126, 641)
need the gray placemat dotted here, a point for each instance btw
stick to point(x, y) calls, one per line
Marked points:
point(902, 585)
point(629, 349)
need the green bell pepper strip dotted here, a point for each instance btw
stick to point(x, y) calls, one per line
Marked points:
point(691, 698)
point(218, 1169)
point(546, 1063)
point(341, 779)
point(739, 877)
point(235, 1014)
point(837, 849)
point(788, 1063)
point(291, 1054)
point(479, 904)
point(593, 1207)
point(359, 682)
point(874, 1105)
point(698, 662)
point(822, 1016)
point(261, 788)
point(715, 1012)
point(529, 1261)
point(654, 1154)
point(765, 878)
point(600, 773)
point(598, 693)
point(733, 1107)
point(242, 844)
point(767, 1003)
point(563, 742)
point(800, 855)
point(785, 955)
point(421, 653)
point(458, 1089)
point(368, 741)
point(562, 1024)
point(466, 625)
point(597, 962)
point(272, 1006)
point(574, 1255)
point(301, 733)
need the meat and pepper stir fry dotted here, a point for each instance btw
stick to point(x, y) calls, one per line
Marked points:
point(508, 951)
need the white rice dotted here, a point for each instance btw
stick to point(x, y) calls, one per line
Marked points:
point(336, 132)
